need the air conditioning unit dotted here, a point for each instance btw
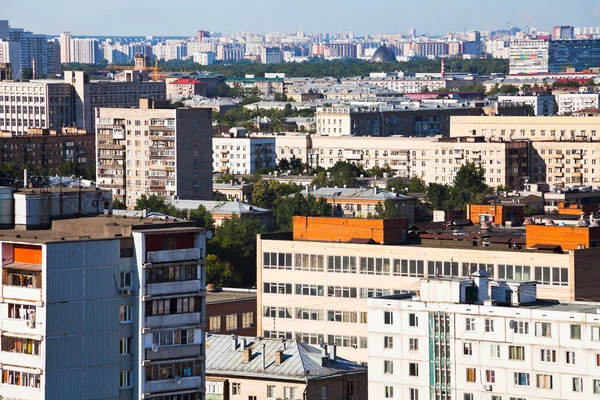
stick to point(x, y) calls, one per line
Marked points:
point(488, 388)
point(125, 292)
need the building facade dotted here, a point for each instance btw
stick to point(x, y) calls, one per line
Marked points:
point(569, 103)
point(542, 104)
point(476, 338)
point(146, 150)
point(243, 155)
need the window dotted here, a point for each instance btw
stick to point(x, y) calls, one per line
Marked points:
point(548, 356)
point(174, 337)
point(125, 279)
point(236, 389)
point(388, 317)
point(277, 288)
point(388, 367)
point(388, 342)
point(596, 384)
point(576, 332)
point(516, 353)
point(20, 345)
point(468, 396)
point(374, 266)
point(248, 319)
point(467, 349)
point(521, 327)
point(324, 392)
point(252, 398)
point(310, 314)
point(521, 379)
point(596, 333)
point(414, 393)
point(172, 274)
point(413, 344)
point(125, 346)
point(18, 378)
point(470, 324)
point(277, 260)
point(552, 276)
point(214, 324)
point(471, 375)
point(414, 268)
point(125, 379)
point(490, 376)
point(341, 264)
point(341, 316)
point(289, 393)
point(495, 351)
point(578, 384)
point(413, 369)
point(543, 381)
point(21, 311)
point(389, 392)
point(341, 291)
point(570, 357)
point(542, 329)
point(413, 320)
point(597, 360)
point(125, 314)
point(489, 325)
point(231, 322)
point(310, 290)
point(309, 262)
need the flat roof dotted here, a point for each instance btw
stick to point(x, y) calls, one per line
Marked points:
point(217, 297)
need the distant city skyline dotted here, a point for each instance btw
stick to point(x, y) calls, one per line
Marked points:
point(433, 17)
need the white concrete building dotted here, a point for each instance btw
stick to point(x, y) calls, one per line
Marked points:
point(542, 104)
point(205, 57)
point(573, 102)
point(475, 339)
point(243, 155)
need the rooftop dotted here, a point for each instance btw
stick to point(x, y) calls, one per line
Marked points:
point(356, 193)
point(301, 362)
point(187, 81)
point(219, 207)
point(227, 294)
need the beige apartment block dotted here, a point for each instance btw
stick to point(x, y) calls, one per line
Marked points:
point(569, 163)
point(317, 291)
point(160, 151)
point(531, 128)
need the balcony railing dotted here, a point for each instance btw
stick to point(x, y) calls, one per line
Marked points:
point(164, 288)
point(165, 256)
point(171, 385)
point(187, 319)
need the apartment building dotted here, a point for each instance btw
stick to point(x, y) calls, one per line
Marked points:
point(541, 104)
point(313, 284)
point(185, 88)
point(572, 102)
point(531, 128)
point(291, 146)
point(554, 56)
point(149, 150)
point(103, 307)
point(243, 155)
point(416, 119)
point(478, 338)
point(48, 148)
point(261, 368)
point(52, 104)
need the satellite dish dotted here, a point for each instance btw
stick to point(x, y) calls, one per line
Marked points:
point(512, 324)
point(154, 347)
point(177, 380)
point(209, 235)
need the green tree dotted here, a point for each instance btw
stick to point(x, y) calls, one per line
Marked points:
point(288, 207)
point(469, 186)
point(235, 242)
point(320, 180)
point(203, 218)
point(417, 185)
point(220, 272)
point(119, 205)
point(439, 195)
point(344, 174)
point(151, 202)
point(266, 193)
point(397, 185)
point(389, 209)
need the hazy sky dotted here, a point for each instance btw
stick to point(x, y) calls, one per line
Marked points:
point(184, 17)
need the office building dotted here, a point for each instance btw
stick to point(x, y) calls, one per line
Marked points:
point(261, 368)
point(154, 151)
point(313, 284)
point(569, 103)
point(539, 57)
point(482, 338)
point(10, 56)
point(243, 155)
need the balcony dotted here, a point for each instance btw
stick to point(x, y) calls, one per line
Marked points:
point(22, 293)
point(559, 156)
point(21, 392)
point(577, 156)
point(162, 137)
point(164, 288)
point(559, 174)
point(224, 159)
point(170, 352)
point(559, 165)
point(223, 168)
point(170, 385)
point(577, 166)
point(351, 156)
point(167, 256)
point(160, 321)
point(224, 151)
point(22, 360)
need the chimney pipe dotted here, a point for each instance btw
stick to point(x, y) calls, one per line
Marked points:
point(264, 356)
point(247, 355)
point(333, 353)
point(243, 343)
point(279, 357)
point(234, 342)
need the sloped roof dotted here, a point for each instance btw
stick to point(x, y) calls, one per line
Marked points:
point(187, 81)
point(219, 207)
point(356, 193)
point(302, 362)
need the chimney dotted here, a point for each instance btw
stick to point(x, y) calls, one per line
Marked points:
point(480, 278)
point(247, 355)
point(324, 350)
point(333, 353)
point(279, 357)
point(234, 342)
point(243, 343)
point(375, 190)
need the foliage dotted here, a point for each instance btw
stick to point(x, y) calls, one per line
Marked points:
point(202, 217)
point(226, 178)
point(287, 207)
point(220, 272)
point(119, 205)
point(320, 180)
point(241, 116)
point(397, 185)
point(344, 174)
point(377, 172)
point(469, 186)
point(504, 89)
point(389, 209)
point(235, 242)
point(266, 193)
point(439, 196)
point(417, 185)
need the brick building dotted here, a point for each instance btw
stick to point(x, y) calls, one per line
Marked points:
point(231, 311)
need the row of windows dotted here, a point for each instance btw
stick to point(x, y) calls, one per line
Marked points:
point(412, 268)
point(171, 370)
point(332, 291)
point(231, 322)
point(318, 339)
point(315, 314)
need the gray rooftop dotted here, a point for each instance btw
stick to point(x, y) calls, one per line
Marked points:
point(302, 362)
point(219, 207)
point(356, 193)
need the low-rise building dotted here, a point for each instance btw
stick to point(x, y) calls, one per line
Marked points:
point(477, 338)
point(185, 88)
point(261, 368)
point(235, 191)
point(541, 103)
point(569, 103)
point(231, 311)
